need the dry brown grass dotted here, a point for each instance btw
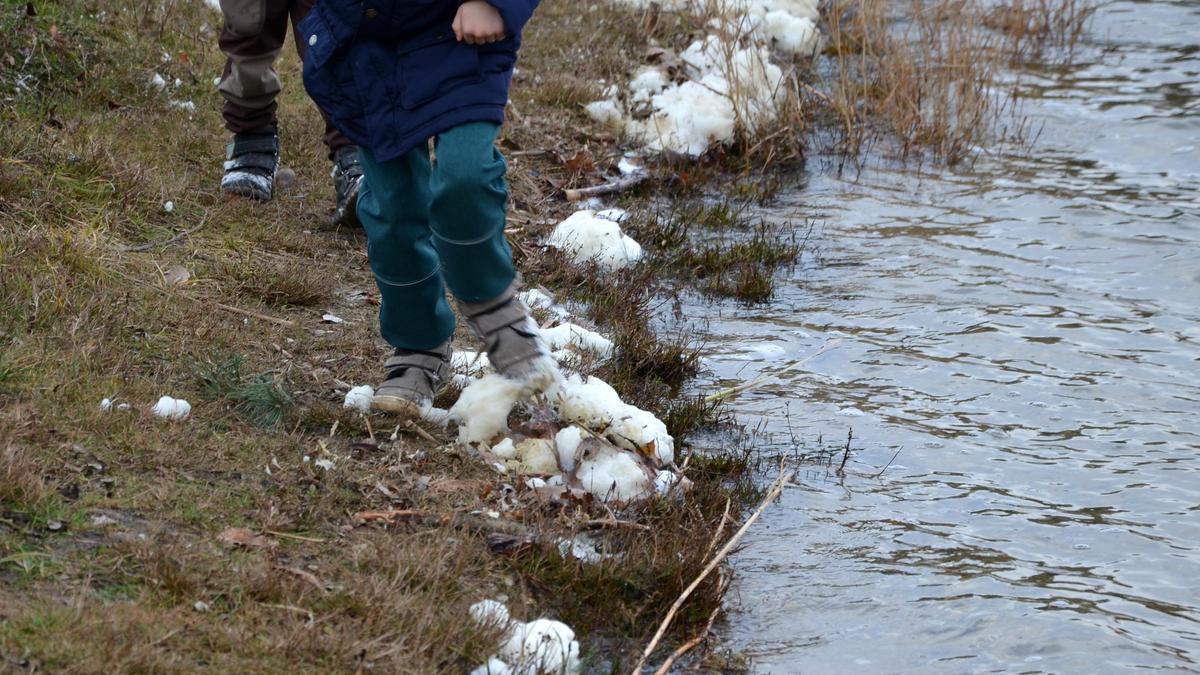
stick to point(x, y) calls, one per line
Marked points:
point(928, 78)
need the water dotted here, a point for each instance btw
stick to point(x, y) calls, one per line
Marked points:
point(1027, 337)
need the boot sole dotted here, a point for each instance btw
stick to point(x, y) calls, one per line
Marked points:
point(397, 405)
point(347, 216)
point(245, 192)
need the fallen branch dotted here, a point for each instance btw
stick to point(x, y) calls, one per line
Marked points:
point(775, 491)
point(619, 185)
point(246, 312)
point(306, 576)
point(691, 644)
point(388, 517)
point(613, 523)
point(416, 429)
point(287, 535)
point(219, 305)
point(295, 609)
point(478, 524)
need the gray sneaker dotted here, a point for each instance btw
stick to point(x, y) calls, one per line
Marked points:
point(413, 377)
point(510, 337)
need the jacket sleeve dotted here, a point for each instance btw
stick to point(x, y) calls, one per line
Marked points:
point(515, 13)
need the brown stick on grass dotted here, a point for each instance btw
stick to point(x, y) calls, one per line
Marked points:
point(775, 491)
point(619, 185)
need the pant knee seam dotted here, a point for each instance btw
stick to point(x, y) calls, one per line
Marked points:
point(422, 280)
point(473, 242)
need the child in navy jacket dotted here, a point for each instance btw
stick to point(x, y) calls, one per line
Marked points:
point(393, 74)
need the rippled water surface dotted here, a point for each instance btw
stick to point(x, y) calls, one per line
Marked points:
point(1028, 338)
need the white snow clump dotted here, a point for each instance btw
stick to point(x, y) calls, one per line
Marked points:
point(494, 666)
point(360, 398)
point(597, 406)
point(483, 408)
point(572, 335)
point(727, 81)
point(540, 646)
point(584, 237)
point(615, 475)
point(172, 408)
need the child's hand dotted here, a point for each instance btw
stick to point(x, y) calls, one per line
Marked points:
point(478, 23)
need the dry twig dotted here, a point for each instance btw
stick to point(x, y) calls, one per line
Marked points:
point(691, 644)
point(775, 491)
point(619, 185)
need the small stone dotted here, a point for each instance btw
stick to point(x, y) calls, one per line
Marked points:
point(201, 606)
point(55, 526)
point(285, 177)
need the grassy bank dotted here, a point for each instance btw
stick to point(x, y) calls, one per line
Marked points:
point(116, 547)
point(129, 543)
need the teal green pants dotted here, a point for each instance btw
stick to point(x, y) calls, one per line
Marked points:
point(432, 225)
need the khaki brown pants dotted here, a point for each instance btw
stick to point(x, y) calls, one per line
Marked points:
point(253, 37)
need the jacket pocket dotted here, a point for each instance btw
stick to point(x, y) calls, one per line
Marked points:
point(329, 73)
point(498, 57)
point(244, 17)
point(435, 65)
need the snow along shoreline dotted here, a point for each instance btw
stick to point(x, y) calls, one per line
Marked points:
point(724, 83)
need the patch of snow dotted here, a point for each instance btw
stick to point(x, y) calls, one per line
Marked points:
point(538, 455)
point(505, 449)
point(360, 398)
point(607, 113)
point(584, 237)
point(615, 215)
point(628, 168)
point(186, 106)
point(494, 666)
point(581, 548)
point(484, 406)
point(665, 481)
point(542, 645)
point(470, 363)
point(593, 404)
point(158, 82)
point(614, 475)
point(490, 613)
point(730, 77)
point(649, 80)
point(571, 335)
point(106, 404)
point(791, 33)
point(567, 445)
point(326, 464)
point(172, 408)
point(332, 318)
point(169, 206)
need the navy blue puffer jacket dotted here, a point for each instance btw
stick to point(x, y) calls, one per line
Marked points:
point(390, 74)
